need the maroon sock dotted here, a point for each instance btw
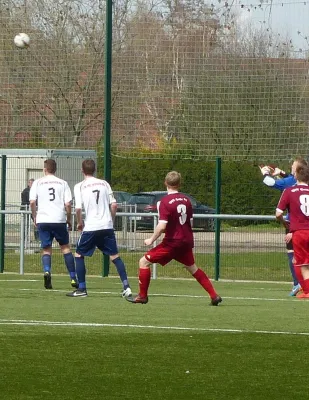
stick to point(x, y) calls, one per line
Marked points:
point(203, 280)
point(144, 281)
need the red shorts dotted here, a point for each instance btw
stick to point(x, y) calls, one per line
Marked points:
point(163, 254)
point(301, 248)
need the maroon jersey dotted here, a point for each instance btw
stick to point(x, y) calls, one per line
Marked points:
point(296, 200)
point(176, 210)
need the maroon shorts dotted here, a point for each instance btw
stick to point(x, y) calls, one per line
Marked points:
point(163, 254)
point(301, 248)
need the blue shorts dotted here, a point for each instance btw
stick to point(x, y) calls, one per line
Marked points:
point(104, 240)
point(49, 231)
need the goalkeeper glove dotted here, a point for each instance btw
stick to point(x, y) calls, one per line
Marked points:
point(265, 170)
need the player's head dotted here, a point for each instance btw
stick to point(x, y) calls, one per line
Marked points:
point(88, 167)
point(298, 161)
point(173, 180)
point(50, 166)
point(30, 182)
point(302, 173)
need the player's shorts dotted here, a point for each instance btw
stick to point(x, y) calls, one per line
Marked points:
point(104, 240)
point(48, 232)
point(163, 254)
point(289, 246)
point(301, 248)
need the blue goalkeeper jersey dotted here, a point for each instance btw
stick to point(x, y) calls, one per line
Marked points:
point(284, 183)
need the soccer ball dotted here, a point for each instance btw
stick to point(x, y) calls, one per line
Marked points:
point(22, 40)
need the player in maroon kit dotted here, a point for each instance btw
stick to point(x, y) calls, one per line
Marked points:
point(175, 219)
point(296, 200)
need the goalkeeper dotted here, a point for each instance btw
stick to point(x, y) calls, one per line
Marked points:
point(276, 178)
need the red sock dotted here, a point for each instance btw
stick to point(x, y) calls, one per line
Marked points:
point(299, 276)
point(305, 286)
point(144, 281)
point(203, 280)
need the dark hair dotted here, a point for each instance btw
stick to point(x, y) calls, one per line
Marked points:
point(302, 173)
point(88, 167)
point(301, 161)
point(50, 165)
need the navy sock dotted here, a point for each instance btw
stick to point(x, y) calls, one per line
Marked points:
point(290, 257)
point(70, 264)
point(81, 272)
point(121, 269)
point(46, 262)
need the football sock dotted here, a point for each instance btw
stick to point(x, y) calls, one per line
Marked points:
point(144, 277)
point(121, 269)
point(70, 264)
point(204, 281)
point(292, 269)
point(305, 286)
point(299, 276)
point(81, 272)
point(46, 262)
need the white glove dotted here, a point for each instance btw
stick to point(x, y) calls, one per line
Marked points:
point(277, 171)
point(265, 170)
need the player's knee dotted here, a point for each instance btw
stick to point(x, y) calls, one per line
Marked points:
point(78, 255)
point(144, 263)
point(65, 248)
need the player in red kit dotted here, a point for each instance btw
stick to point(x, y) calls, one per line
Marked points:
point(175, 219)
point(296, 200)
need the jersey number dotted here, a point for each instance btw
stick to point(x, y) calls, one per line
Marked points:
point(97, 195)
point(182, 209)
point(51, 194)
point(304, 204)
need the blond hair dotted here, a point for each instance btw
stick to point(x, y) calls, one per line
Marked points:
point(173, 179)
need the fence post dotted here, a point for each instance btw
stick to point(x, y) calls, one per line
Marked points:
point(217, 220)
point(2, 217)
point(23, 216)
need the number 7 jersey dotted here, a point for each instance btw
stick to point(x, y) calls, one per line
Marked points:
point(51, 194)
point(296, 200)
point(95, 196)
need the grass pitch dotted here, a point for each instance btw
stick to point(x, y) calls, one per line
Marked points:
point(251, 347)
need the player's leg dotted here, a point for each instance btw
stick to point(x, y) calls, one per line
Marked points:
point(85, 247)
point(62, 236)
point(290, 254)
point(46, 239)
point(144, 277)
point(105, 241)
point(305, 282)
point(186, 257)
point(160, 254)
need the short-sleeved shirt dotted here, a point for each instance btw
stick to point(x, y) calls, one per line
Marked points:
point(176, 210)
point(95, 196)
point(296, 200)
point(51, 194)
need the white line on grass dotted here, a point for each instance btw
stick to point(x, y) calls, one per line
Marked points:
point(19, 280)
point(167, 295)
point(133, 326)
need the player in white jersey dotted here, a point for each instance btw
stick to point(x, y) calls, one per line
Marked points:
point(96, 197)
point(50, 202)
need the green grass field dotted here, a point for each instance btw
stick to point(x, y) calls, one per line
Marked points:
point(251, 347)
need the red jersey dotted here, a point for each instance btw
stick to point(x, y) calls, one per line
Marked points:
point(296, 200)
point(176, 210)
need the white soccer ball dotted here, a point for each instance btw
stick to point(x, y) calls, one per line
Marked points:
point(22, 40)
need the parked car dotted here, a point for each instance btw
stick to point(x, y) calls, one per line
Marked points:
point(147, 202)
point(122, 199)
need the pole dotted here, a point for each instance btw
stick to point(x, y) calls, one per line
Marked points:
point(217, 220)
point(2, 217)
point(108, 105)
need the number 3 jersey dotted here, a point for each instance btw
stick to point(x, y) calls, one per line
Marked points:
point(95, 196)
point(51, 194)
point(176, 210)
point(296, 200)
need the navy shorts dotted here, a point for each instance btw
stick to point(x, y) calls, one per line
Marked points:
point(104, 240)
point(49, 231)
